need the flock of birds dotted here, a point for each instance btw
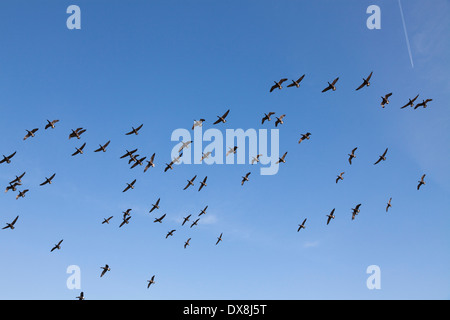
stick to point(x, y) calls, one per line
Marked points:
point(135, 160)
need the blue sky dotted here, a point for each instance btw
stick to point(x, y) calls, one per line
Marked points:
point(165, 64)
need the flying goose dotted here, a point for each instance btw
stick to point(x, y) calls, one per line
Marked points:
point(203, 211)
point(331, 85)
point(48, 180)
point(133, 158)
point(330, 216)
point(279, 120)
point(138, 162)
point(125, 221)
point(340, 177)
point(103, 148)
point(18, 179)
point(134, 130)
point(382, 157)
point(296, 83)
point(219, 239)
point(355, 211)
point(282, 158)
point(107, 220)
point(187, 243)
point(155, 206)
point(81, 296)
point(421, 182)
point(278, 84)
point(128, 154)
point(77, 133)
point(170, 233)
point(185, 219)
point(423, 103)
point(30, 133)
point(352, 155)
point(57, 246)
point(256, 159)
point(150, 163)
point(8, 158)
point(203, 183)
point(105, 269)
point(366, 82)
point(385, 100)
point(12, 186)
point(410, 102)
point(130, 185)
point(151, 281)
point(305, 136)
point(301, 226)
point(190, 182)
point(79, 150)
point(51, 124)
point(22, 194)
point(184, 145)
point(388, 205)
point(267, 117)
point(198, 123)
point(160, 218)
point(126, 213)
point(222, 118)
point(169, 166)
point(195, 222)
point(11, 225)
point(231, 150)
point(205, 155)
point(245, 178)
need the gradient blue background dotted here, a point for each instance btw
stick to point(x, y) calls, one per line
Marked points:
point(165, 64)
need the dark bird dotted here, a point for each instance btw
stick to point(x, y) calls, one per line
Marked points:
point(423, 103)
point(57, 246)
point(81, 296)
point(331, 85)
point(279, 120)
point(222, 118)
point(134, 130)
point(103, 148)
point(198, 123)
point(421, 182)
point(385, 100)
point(169, 166)
point(130, 185)
point(77, 133)
point(107, 220)
point(190, 182)
point(185, 219)
point(278, 84)
point(194, 223)
point(48, 180)
point(160, 218)
point(352, 155)
point(410, 102)
point(126, 213)
point(51, 124)
point(203, 183)
point(128, 154)
point(388, 205)
point(282, 158)
point(296, 83)
point(30, 133)
point(11, 225)
point(355, 211)
point(18, 179)
point(330, 216)
point(170, 233)
point(150, 163)
point(256, 159)
point(365, 83)
point(105, 269)
point(125, 221)
point(203, 211)
point(12, 186)
point(151, 281)
point(187, 243)
point(340, 177)
point(22, 194)
point(305, 136)
point(219, 239)
point(155, 206)
point(133, 158)
point(245, 178)
point(231, 150)
point(184, 145)
point(382, 157)
point(138, 162)
point(8, 158)
point(267, 117)
point(301, 226)
point(79, 150)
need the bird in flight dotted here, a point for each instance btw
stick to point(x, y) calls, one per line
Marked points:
point(203, 183)
point(130, 185)
point(352, 155)
point(51, 124)
point(8, 158)
point(151, 281)
point(410, 102)
point(18, 179)
point(330, 216)
point(190, 182)
point(231, 150)
point(245, 178)
point(222, 118)
point(256, 159)
point(77, 133)
point(301, 226)
point(57, 246)
point(103, 147)
point(267, 117)
point(198, 123)
point(170, 233)
point(185, 219)
point(382, 157)
point(331, 85)
point(366, 82)
point(385, 99)
point(184, 145)
point(205, 155)
point(81, 296)
point(150, 163)
point(279, 120)
point(22, 194)
point(138, 162)
point(421, 182)
point(155, 206)
point(160, 218)
point(219, 239)
point(296, 83)
point(12, 186)
point(30, 133)
point(107, 220)
point(134, 130)
point(79, 150)
point(282, 158)
point(305, 136)
point(187, 243)
point(125, 221)
point(11, 225)
point(422, 104)
point(105, 269)
point(355, 211)
point(203, 211)
point(128, 154)
point(340, 177)
point(278, 84)
point(195, 222)
point(388, 205)
point(48, 180)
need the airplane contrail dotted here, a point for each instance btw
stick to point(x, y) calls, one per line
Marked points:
point(406, 34)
